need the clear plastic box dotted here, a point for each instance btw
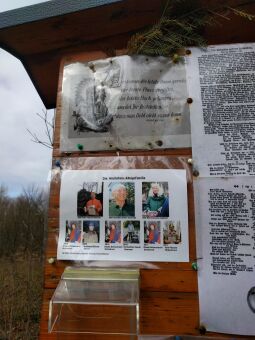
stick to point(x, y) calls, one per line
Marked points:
point(96, 301)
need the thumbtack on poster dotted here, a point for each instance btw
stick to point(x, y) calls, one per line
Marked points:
point(124, 215)
point(125, 103)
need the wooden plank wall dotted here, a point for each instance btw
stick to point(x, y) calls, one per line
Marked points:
point(170, 293)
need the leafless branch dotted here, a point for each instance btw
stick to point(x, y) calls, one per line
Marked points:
point(49, 129)
point(38, 141)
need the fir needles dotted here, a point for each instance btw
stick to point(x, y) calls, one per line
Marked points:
point(180, 25)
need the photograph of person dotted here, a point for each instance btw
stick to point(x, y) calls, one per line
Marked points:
point(90, 199)
point(91, 231)
point(73, 231)
point(155, 199)
point(152, 232)
point(131, 231)
point(121, 199)
point(172, 232)
point(112, 231)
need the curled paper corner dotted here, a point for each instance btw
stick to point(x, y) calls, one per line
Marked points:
point(56, 238)
point(53, 175)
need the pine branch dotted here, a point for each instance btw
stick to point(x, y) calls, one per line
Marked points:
point(179, 26)
point(242, 14)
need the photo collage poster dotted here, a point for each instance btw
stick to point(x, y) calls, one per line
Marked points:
point(124, 215)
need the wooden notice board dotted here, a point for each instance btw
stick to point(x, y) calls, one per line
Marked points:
point(169, 293)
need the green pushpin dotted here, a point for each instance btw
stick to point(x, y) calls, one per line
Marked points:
point(80, 147)
point(194, 266)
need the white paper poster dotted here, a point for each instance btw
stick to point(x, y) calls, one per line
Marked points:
point(125, 103)
point(221, 82)
point(124, 215)
point(225, 222)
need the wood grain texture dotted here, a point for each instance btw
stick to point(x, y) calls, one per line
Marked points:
point(169, 294)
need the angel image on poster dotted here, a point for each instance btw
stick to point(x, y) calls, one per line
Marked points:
point(92, 109)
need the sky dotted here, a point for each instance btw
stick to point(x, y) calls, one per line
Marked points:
point(22, 162)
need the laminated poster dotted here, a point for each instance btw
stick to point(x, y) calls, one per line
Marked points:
point(125, 103)
point(124, 215)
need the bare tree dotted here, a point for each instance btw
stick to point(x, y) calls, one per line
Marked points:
point(21, 262)
point(22, 221)
point(49, 126)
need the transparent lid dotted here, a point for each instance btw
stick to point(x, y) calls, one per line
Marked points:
point(109, 274)
point(96, 300)
point(98, 286)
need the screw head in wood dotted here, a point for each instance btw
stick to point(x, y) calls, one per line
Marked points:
point(51, 260)
point(195, 173)
point(202, 329)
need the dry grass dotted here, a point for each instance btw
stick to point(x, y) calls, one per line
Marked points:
point(21, 280)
